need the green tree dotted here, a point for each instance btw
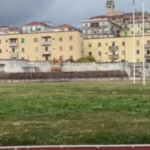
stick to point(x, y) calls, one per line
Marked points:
point(86, 59)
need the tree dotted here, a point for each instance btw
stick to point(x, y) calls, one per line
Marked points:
point(86, 59)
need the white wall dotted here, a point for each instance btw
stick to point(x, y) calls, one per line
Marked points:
point(68, 66)
point(34, 28)
point(15, 66)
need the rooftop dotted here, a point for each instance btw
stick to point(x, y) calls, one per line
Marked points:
point(125, 15)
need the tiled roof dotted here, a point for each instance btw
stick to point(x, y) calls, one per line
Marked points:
point(64, 26)
point(34, 23)
point(10, 28)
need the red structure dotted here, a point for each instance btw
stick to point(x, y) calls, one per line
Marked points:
point(86, 147)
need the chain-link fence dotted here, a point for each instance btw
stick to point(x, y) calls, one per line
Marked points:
point(57, 76)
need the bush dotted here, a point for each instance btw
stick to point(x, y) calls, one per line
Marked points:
point(87, 59)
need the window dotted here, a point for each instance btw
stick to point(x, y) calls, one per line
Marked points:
point(137, 43)
point(22, 58)
point(13, 50)
point(70, 38)
point(132, 32)
point(123, 52)
point(137, 60)
point(148, 52)
point(35, 40)
point(60, 39)
point(148, 60)
point(94, 24)
point(0, 41)
point(94, 31)
point(60, 48)
point(148, 42)
point(71, 48)
point(113, 43)
point(90, 53)
point(99, 44)
point(46, 48)
point(71, 57)
point(46, 57)
point(22, 40)
point(90, 45)
point(125, 34)
point(61, 57)
point(145, 31)
point(123, 43)
point(23, 50)
point(99, 53)
point(0, 51)
point(137, 52)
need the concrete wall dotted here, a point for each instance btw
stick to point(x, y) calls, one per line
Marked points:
point(15, 66)
point(122, 66)
point(68, 67)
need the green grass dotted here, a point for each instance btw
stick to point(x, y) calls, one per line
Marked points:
point(74, 113)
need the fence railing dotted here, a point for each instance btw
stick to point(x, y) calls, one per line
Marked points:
point(64, 75)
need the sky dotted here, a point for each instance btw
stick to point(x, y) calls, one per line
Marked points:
point(19, 12)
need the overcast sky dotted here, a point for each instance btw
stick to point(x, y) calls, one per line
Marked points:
point(19, 12)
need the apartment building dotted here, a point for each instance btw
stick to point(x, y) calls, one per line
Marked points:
point(99, 27)
point(37, 27)
point(114, 24)
point(10, 30)
point(62, 45)
point(117, 49)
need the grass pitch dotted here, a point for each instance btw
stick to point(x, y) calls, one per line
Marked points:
point(74, 113)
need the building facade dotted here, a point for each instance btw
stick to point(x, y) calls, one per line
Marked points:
point(112, 21)
point(62, 45)
point(37, 27)
point(117, 49)
point(100, 28)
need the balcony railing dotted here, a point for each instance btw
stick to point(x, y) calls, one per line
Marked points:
point(113, 57)
point(14, 54)
point(46, 52)
point(147, 55)
point(147, 45)
point(113, 48)
point(46, 43)
point(13, 44)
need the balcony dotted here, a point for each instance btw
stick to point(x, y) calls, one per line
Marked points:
point(14, 54)
point(44, 52)
point(147, 45)
point(46, 43)
point(13, 44)
point(113, 57)
point(147, 55)
point(113, 48)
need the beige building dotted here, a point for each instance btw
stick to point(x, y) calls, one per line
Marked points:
point(62, 45)
point(117, 49)
point(108, 47)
